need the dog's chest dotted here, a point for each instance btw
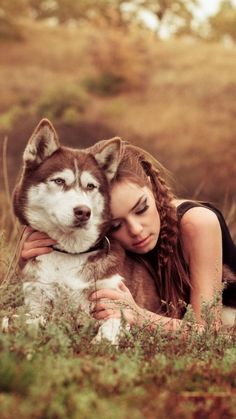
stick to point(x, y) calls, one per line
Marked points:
point(65, 277)
point(60, 268)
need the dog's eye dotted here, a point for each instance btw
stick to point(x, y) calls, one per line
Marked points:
point(59, 181)
point(90, 186)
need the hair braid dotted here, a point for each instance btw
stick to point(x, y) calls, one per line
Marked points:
point(169, 226)
point(171, 275)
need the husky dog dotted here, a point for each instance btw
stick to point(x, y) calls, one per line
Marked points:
point(65, 193)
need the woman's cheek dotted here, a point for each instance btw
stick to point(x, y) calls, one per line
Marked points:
point(120, 236)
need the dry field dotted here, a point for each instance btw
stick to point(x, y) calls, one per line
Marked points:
point(175, 98)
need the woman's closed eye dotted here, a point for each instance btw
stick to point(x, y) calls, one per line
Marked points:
point(115, 226)
point(142, 208)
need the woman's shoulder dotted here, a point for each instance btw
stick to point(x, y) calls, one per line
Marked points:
point(199, 231)
point(196, 218)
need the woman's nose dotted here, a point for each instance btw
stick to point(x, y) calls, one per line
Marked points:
point(135, 228)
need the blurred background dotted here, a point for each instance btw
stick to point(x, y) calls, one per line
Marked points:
point(160, 74)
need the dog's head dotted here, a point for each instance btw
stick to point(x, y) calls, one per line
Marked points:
point(65, 192)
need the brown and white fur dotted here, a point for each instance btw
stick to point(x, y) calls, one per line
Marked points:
point(65, 193)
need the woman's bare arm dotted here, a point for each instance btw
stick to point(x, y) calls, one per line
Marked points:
point(108, 303)
point(202, 245)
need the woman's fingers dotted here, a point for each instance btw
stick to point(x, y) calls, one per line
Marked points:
point(123, 287)
point(35, 243)
point(30, 235)
point(37, 235)
point(34, 252)
point(123, 293)
point(105, 293)
point(27, 230)
point(34, 235)
point(106, 314)
point(110, 293)
point(39, 243)
point(109, 304)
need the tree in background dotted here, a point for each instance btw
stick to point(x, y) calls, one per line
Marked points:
point(9, 13)
point(13, 7)
point(67, 11)
point(121, 13)
point(174, 16)
point(116, 13)
point(63, 11)
point(170, 14)
point(223, 23)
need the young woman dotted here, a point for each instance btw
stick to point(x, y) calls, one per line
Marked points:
point(184, 243)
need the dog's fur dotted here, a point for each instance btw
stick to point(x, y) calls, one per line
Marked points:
point(65, 193)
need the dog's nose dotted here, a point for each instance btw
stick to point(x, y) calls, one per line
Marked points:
point(82, 213)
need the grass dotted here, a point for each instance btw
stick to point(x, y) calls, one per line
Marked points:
point(177, 101)
point(58, 373)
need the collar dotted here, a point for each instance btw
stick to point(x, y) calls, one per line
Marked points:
point(103, 244)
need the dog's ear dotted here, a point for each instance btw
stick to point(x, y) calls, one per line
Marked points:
point(108, 157)
point(41, 145)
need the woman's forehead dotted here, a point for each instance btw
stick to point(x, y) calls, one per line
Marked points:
point(124, 195)
point(121, 188)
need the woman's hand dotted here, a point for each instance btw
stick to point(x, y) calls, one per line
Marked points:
point(109, 303)
point(34, 243)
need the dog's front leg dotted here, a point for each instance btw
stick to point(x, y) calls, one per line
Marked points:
point(110, 329)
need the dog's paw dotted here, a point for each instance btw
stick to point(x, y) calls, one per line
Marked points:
point(100, 338)
point(109, 330)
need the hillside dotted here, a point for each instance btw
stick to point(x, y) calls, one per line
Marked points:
point(175, 98)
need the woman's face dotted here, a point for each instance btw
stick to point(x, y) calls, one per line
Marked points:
point(135, 219)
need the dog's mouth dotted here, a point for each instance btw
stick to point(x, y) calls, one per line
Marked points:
point(80, 224)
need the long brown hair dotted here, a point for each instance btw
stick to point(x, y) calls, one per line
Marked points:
point(170, 273)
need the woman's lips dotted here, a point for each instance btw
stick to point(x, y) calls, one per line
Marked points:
point(143, 242)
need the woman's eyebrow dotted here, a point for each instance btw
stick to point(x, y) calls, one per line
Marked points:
point(137, 203)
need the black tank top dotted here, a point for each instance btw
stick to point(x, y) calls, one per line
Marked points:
point(229, 247)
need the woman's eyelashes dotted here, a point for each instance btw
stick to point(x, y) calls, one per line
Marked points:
point(142, 208)
point(115, 227)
